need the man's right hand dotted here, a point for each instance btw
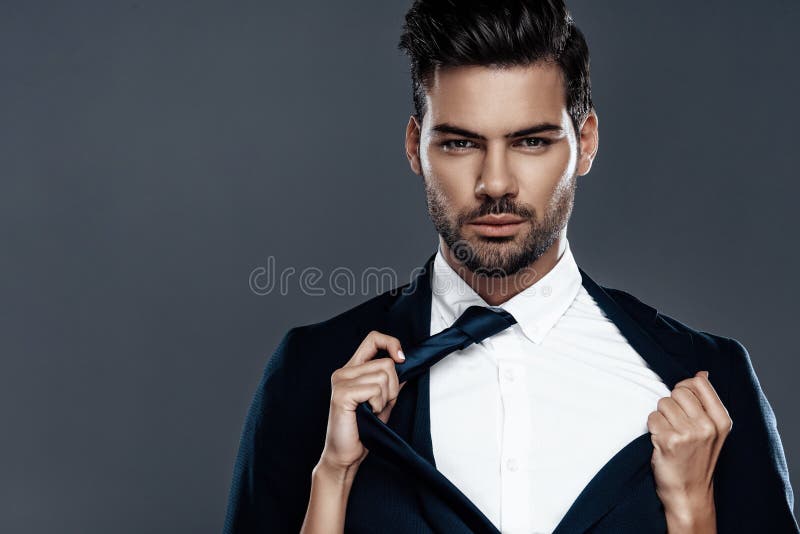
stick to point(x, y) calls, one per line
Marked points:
point(360, 379)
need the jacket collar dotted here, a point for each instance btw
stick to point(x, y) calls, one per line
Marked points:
point(667, 350)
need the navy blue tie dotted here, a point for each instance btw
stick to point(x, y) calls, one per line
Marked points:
point(474, 325)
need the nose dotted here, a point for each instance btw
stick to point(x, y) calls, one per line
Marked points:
point(496, 179)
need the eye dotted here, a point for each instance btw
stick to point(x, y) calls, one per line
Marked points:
point(457, 145)
point(463, 145)
point(542, 142)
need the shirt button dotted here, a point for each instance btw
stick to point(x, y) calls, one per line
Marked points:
point(511, 464)
point(547, 290)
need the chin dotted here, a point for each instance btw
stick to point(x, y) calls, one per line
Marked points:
point(494, 241)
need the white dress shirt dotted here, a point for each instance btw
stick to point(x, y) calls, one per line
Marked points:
point(521, 422)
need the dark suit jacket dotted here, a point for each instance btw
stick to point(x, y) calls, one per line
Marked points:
point(285, 428)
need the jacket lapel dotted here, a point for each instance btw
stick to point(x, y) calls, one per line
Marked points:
point(666, 350)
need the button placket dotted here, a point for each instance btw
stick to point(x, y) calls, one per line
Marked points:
point(516, 432)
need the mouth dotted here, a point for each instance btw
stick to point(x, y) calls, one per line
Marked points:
point(497, 225)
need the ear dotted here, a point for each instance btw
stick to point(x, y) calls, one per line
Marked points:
point(412, 145)
point(589, 137)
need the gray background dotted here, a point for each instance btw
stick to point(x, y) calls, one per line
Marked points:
point(153, 154)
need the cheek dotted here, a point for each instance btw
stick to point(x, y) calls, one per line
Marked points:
point(543, 180)
point(551, 165)
point(427, 157)
point(540, 176)
point(452, 177)
point(454, 196)
point(462, 169)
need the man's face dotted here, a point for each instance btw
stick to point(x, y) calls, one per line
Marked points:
point(479, 159)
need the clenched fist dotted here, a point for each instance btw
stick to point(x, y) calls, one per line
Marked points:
point(688, 430)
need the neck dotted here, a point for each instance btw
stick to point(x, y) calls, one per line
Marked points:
point(497, 290)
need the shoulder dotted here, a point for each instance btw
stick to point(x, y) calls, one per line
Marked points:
point(703, 341)
point(330, 343)
point(662, 320)
point(357, 320)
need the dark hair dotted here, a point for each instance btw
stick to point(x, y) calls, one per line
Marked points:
point(497, 33)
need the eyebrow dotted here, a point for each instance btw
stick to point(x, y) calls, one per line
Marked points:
point(536, 128)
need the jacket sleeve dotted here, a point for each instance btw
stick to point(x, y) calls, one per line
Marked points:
point(272, 474)
point(751, 483)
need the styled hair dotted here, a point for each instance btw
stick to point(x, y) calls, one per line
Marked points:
point(496, 33)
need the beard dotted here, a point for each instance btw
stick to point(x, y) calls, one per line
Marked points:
point(506, 255)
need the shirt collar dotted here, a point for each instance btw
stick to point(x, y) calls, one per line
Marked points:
point(537, 308)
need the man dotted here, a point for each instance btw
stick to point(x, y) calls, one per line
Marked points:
point(592, 412)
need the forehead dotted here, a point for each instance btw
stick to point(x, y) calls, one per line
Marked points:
point(497, 99)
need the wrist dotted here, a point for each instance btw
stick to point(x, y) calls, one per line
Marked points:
point(691, 524)
point(691, 514)
point(327, 504)
point(333, 473)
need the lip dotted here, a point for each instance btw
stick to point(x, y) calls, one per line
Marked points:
point(498, 219)
point(497, 226)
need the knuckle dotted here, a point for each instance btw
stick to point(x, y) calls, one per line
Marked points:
point(682, 391)
point(727, 426)
point(674, 440)
point(385, 377)
point(708, 430)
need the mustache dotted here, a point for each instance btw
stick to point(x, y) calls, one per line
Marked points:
point(503, 206)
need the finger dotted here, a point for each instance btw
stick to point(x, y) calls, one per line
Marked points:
point(673, 413)
point(350, 372)
point(347, 396)
point(381, 365)
point(708, 397)
point(688, 401)
point(374, 342)
point(704, 426)
point(378, 377)
point(657, 423)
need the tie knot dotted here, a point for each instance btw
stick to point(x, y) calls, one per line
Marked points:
point(474, 325)
point(479, 322)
